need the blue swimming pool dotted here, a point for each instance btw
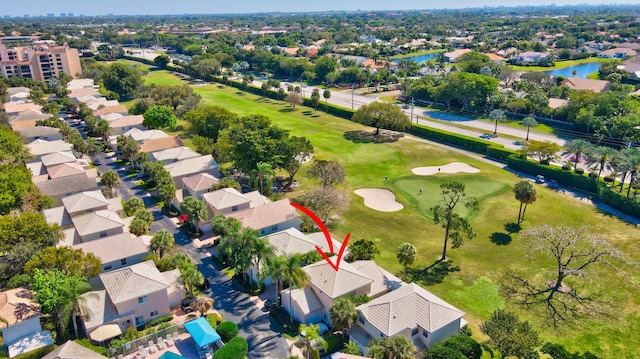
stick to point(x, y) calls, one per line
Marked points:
point(171, 355)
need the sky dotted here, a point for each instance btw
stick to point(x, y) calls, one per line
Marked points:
point(156, 7)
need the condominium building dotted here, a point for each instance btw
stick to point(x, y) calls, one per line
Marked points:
point(39, 62)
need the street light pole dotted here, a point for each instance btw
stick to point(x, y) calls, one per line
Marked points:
point(353, 86)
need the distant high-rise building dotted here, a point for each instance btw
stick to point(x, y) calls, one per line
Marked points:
point(62, 14)
point(39, 62)
point(51, 14)
point(70, 14)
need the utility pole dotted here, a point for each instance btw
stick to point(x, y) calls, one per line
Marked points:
point(353, 86)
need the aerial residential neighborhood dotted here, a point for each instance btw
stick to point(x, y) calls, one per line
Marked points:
point(319, 182)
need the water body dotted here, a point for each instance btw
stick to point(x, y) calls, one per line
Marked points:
point(582, 70)
point(420, 58)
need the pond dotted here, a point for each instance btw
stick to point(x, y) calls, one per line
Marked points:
point(582, 70)
point(420, 58)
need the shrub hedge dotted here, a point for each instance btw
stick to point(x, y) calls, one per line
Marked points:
point(96, 348)
point(552, 172)
point(234, 349)
point(153, 323)
point(470, 143)
point(227, 331)
point(618, 201)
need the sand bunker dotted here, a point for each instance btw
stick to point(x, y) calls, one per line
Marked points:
point(453, 167)
point(379, 199)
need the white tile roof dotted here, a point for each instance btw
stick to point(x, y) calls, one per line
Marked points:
point(114, 248)
point(133, 282)
point(139, 135)
point(200, 181)
point(98, 309)
point(173, 154)
point(124, 121)
point(225, 198)
point(192, 165)
point(42, 148)
point(334, 284)
point(383, 281)
point(57, 215)
point(172, 278)
point(56, 158)
point(73, 350)
point(292, 241)
point(307, 300)
point(407, 307)
point(84, 201)
point(98, 221)
point(266, 215)
point(65, 169)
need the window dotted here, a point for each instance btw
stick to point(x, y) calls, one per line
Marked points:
point(234, 208)
point(142, 300)
point(414, 332)
point(106, 267)
point(123, 261)
point(139, 321)
point(103, 234)
point(361, 319)
point(425, 334)
point(274, 227)
point(153, 314)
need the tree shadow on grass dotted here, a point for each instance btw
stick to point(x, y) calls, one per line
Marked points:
point(288, 109)
point(307, 113)
point(500, 239)
point(240, 93)
point(315, 116)
point(432, 274)
point(220, 86)
point(512, 227)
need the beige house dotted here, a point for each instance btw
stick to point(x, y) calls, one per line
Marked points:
point(270, 217)
point(190, 166)
point(576, 83)
point(65, 186)
point(324, 284)
point(171, 155)
point(98, 224)
point(132, 297)
point(198, 184)
point(410, 311)
point(27, 119)
point(125, 123)
point(116, 252)
point(101, 111)
point(14, 109)
point(30, 134)
point(158, 144)
point(22, 331)
point(42, 147)
point(227, 200)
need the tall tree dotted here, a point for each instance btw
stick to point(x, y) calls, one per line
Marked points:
point(166, 194)
point(315, 99)
point(262, 176)
point(396, 347)
point(103, 129)
point(66, 259)
point(343, 314)
point(497, 115)
point(327, 95)
point(577, 148)
point(275, 269)
point(58, 294)
point(510, 336)
point(298, 150)
point(110, 180)
point(406, 254)
point(603, 156)
point(325, 202)
point(362, 249)
point(195, 209)
point(329, 173)
point(529, 122)
point(139, 227)
point(15, 183)
point(162, 242)
point(121, 79)
point(159, 117)
point(190, 276)
point(311, 340)
point(295, 276)
point(525, 192)
point(556, 289)
point(382, 115)
point(455, 226)
point(262, 251)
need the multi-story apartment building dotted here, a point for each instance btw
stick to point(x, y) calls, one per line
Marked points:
point(39, 61)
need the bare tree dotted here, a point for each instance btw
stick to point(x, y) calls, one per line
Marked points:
point(324, 201)
point(556, 290)
point(294, 98)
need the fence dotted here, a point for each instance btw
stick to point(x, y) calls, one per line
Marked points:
point(132, 346)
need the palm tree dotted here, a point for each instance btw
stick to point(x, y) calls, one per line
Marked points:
point(295, 276)
point(632, 165)
point(262, 250)
point(603, 156)
point(577, 148)
point(195, 209)
point(497, 115)
point(93, 147)
point(275, 268)
point(190, 276)
point(162, 242)
point(311, 338)
point(110, 180)
point(103, 130)
point(525, 192)
point(529, 122)
point(406, 254)
point(262, 175)
point(139, 158)
point(343, 314)
point(327, 95)
point(202, 304)
point(396, 347)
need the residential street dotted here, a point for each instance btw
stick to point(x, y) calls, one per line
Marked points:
point(254, 324)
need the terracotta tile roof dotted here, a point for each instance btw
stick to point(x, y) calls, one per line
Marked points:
point(407, 307)
point(109, 109)
point(17, 305)
point(577, 83)
point(65, 170)
point(19, 107)
point(125, 121)
point(158, 144)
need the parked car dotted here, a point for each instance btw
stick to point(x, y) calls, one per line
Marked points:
point(539, 179)
point(143, 176)
point(186, 305)
point(183, 217)
point(97, 162)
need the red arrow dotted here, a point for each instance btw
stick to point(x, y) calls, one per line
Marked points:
point(327, 236)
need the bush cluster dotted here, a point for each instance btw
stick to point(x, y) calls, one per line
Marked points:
point(227, 331)
point(234, 349)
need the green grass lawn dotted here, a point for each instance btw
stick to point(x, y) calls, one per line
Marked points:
point(561, 64)
point(468, 279)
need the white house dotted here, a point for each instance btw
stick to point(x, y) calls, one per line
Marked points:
point(410, 311)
